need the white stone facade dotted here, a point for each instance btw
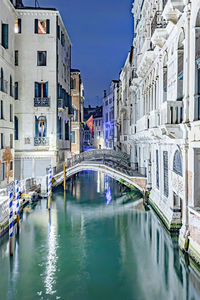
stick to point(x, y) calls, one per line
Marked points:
point(43, 105)
point(7, 79)
point(109, 121)
point(160, 110)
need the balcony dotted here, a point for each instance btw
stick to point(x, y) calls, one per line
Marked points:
point(158, 30)
point(4, 86)
point(146, 58)
point(172, 10)
point(41, 141)
point(172, 112)
point(41, 102)
point(60, 104)
point(154, 119)
point(143, 123)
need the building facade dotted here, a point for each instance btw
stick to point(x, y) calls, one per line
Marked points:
point(43, 103)
point(7, 92)
point(108, 114)
point(77, 93)
point(164, 101)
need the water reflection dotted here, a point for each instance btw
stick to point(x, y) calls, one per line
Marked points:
point(51, 264)
point(87, 250)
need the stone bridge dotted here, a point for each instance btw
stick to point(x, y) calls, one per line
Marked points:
point(114, 164)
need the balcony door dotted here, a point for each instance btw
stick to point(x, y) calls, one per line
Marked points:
point(41, 89)
point(40, 127)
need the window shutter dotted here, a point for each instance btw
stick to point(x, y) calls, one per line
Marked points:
point(19, 25)
point(5, 36)
point(36, 90)
point(48, 25)
point(46, 90)
point(36, 25)
point(36, 126)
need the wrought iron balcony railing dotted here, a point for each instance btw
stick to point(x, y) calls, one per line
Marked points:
point(41, 101)
point(158, 22)
point(60, 103)
point(41, 141)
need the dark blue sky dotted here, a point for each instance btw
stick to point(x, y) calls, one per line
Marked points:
point(101, 34)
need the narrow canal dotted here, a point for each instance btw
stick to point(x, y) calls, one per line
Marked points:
point(92, 248)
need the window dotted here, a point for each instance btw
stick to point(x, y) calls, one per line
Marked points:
point(40, 127)
point(76, 115)
point(62, 39)
point(73, 137)
point(16, 128)
point(4, 36)
point(59, 129)
point(1, 109)
point(42, 58)
point(106, 117)
point(2, 141)
point(157, 169)
point(16, 58)
point(2, 171)
point(11, 165)
point(67, 131)
point(16, 90)
point(11, 141)
point(41, 89)
point(165, 169)
point(11, 113)
point(18, 26)
point(106, 102)
point(177, 163)
point(42, 26)
point(11, 87)
point(73, 83)
point(2, 80)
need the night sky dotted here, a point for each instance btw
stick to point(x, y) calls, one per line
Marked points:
point(101, 34)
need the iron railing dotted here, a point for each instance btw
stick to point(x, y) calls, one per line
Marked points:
point(41, 141)
point(60, 103)
point(41, 102)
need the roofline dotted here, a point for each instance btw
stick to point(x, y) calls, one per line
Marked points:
point(22, 9)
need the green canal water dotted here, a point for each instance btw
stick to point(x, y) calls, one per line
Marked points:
point(92, 248)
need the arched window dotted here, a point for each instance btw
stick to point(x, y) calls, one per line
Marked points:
point(11, 86)
point(177, 163)
point(40, 126)
point(180, 78)
point(16, 128)
point(2, 81)
point(165, 79)
point(197, 68)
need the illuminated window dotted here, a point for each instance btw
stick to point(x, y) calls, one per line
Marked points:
point(42, 26)
point(18, 26)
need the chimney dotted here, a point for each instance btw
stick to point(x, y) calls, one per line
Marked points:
point(104, 93)
point(19, 4)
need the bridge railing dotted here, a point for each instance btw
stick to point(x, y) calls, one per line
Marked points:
point(104, 154)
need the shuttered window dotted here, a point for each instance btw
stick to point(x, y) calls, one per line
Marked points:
point(16, 128)
point(165, 171)
point(4, 37)
point(157, 170)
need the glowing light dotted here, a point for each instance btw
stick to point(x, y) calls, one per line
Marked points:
point(108, 196)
